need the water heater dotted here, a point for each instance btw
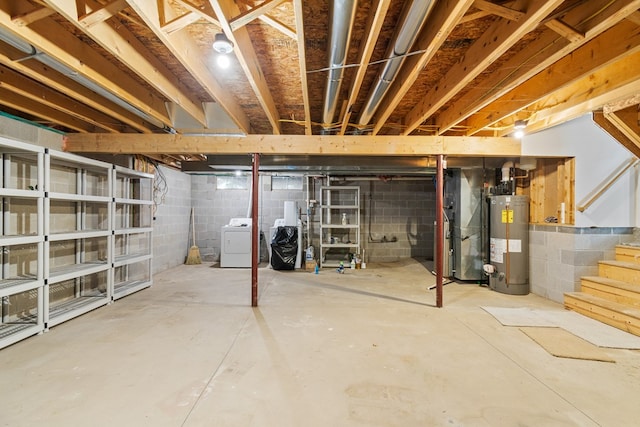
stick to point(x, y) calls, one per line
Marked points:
point(508, 267)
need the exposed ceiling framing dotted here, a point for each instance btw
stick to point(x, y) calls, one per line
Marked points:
point(105, 70)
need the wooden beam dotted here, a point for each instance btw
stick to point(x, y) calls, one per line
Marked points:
point(498, 10)
point(21, 85)
point(441, 21)
point(622, 104)
point(32, 16)
point(295, 144)
point(366, 50)
point(42, 111)
point(596, 53)
point(205, 11)
point(51, 38)
point(627, 121)
point(609, 124)
point(565, 30)
point(297, 8)
point(56, 81)
point(634, 17)
point(486, 49)
point(180, 22)
point(123, 45)
point(246, 55)
point(254, 13)
point(272, 22)
point(102, 14)
point(593, 17)
point(185, 49)
point(608, 84)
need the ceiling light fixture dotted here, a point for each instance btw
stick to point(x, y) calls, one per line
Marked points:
point(519, 126)
point(222, 44)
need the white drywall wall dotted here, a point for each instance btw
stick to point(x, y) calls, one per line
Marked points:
point(597, 156)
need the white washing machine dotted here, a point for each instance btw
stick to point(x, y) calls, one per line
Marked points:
point(235, 249)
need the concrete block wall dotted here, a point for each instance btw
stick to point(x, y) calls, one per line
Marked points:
point(404, 209)
point(171, 219)
point(214, 209)
point(560, 255)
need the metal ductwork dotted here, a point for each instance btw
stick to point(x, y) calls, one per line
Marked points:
point(414, 15)
point(342, 14)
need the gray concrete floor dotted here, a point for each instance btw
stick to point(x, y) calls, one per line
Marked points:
point(366, 348)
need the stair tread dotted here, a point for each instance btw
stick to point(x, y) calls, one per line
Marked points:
point(613, 283)
point(629, 245)
point(605, 303)
point(624, 264)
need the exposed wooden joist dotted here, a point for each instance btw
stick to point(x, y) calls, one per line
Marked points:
point(248, 59)
point(45, 75)
point(622, 104)
point(272, 22)
point(254, 13)
point(295, 144)
point(180, 22)
point(49, 37)
point(498, 10)
point(596, 53)
point(297, 9)
point(441, 21)
point(205, 11)
point(48, 114)
point(31, 16)
point(486, 49)
point(366, 50)
point(187, 52)
point(608, 122)
point(124, 46)
point(565, 30)
point(628, 122)
point(634, 17)
point(18, 84)
point(102, 14)
point(548, 48)
point(608, 84)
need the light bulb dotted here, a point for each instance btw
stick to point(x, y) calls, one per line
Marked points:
point(223, 61)
point(518, 134)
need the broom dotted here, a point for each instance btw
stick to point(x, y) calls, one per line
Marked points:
point(194, 253)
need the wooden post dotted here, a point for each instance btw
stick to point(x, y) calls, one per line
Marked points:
point(255, 237)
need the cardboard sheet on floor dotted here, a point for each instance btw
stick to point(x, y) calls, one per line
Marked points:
point(595, 332)
point(561, 343)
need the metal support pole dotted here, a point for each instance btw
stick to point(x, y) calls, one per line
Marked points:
point(439, 229)
point(255, 238)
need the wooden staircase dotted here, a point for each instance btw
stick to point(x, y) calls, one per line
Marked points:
point(612, 297)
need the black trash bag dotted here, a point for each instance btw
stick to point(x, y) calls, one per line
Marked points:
point(284, 248)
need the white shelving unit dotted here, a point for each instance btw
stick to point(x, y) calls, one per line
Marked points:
point(22, 241)
point(133, 216)
point(76, 234)
point(77, 225)
point(338, 238)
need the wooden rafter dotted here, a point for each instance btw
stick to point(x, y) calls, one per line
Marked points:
point(498, 10)
point(272, 22)
point(31, 16)
point(548, 48)
point(254, 13)
point(374, 26)
point(442, 20)
point(124, 46)
point(565, 30)
point(610, 83)
point(45, 75)
point(489, 47)
point(52, 39)
point(294, 144)
point(619, 131)
point(21, 85)
point(248, 60)
point(297, 8)
point(186, 51)
point(103, 13)
point(42, 111)
point(596, 53)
